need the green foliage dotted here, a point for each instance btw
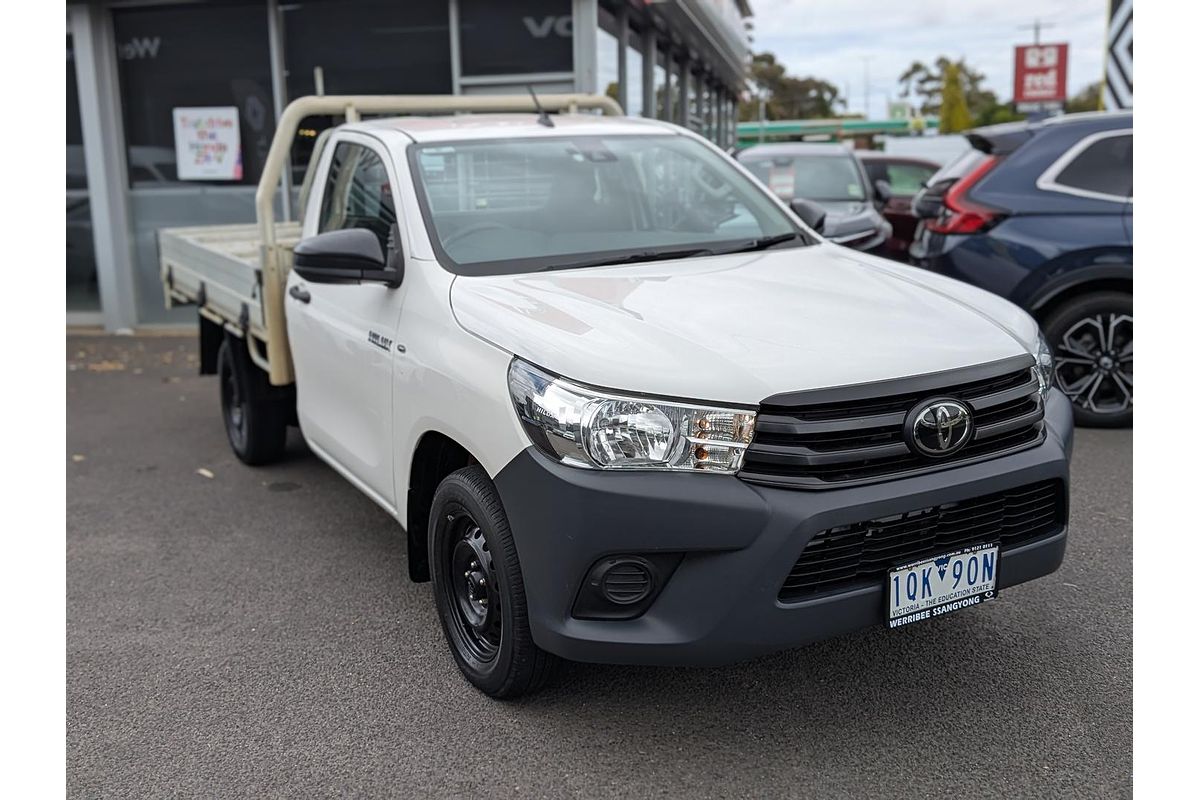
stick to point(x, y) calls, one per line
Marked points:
point(927, 86)
point(788, 97)
point(995, 113)
point(1087, 100)
point(954, 114)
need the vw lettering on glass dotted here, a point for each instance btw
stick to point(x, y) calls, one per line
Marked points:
point(926, 589)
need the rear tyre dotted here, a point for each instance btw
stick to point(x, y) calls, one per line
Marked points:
point(479, 591)
point(256, 420)
point(1092, 339)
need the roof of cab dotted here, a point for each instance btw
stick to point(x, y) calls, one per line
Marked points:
point(460, 127)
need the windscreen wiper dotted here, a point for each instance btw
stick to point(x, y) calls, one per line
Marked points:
point(759, 244)
point(651, 255)
point(690, 252)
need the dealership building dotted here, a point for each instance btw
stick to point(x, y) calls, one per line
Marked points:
point(136, 69)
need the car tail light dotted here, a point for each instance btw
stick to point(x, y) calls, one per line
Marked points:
point(960, 215)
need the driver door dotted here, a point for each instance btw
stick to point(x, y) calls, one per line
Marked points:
point(342, 335)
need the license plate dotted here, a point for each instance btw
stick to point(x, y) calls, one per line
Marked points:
point(927, 589)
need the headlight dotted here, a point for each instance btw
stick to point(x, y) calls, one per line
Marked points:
point(1044, 366)
point(586, 427)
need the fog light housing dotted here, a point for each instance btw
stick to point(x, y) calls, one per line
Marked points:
point(623, 586)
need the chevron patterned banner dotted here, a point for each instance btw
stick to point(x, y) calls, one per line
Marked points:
point(1118, 62)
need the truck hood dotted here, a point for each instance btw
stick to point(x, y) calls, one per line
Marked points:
point(739, 328)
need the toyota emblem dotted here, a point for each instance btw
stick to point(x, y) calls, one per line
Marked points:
point(939, 428)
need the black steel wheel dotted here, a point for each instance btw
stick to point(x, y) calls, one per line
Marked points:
point(255, 417)
point(233, 398)
point(1092, 339)
point(476, 597)
point(479, 590)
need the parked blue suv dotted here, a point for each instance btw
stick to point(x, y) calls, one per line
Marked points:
point(1042, 214)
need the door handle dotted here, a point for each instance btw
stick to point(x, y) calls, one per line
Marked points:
point(300, 294)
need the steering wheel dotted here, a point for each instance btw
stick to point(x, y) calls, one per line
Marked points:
point(718, 192)
point(471, 230)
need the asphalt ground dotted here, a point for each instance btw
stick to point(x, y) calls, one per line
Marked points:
point(238, 632)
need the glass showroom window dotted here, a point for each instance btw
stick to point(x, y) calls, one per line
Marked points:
point(533, 36)
point(607, 51)
point(695, 92)
point(189, 57)
point(363, 47)
point(731, 119)
point(608, 54)
point(662, 102)
point(633, 77)
point(682, 82)
point(83, 289)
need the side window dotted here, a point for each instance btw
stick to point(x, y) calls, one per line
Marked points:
point(1104, 166)
point(357, 193)
point(907, 179)
point(876, 170)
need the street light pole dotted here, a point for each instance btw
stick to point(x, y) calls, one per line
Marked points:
point(867, 86)
point(762, 113)
point(1036, 27)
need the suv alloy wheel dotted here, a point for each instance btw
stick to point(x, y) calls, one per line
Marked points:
point(1092, 338)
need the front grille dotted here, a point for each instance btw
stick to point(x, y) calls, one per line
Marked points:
point(855, 435)
point(850, 556)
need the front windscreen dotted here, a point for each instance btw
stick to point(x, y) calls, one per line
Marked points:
point(521, 205)
point(825, 177)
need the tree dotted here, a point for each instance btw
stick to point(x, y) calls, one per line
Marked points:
point(993, 112)
point(1087, 100)
point(927, 85)
point(955, 116)
point(788, 97)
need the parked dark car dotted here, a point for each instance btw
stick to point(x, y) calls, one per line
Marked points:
point(1042, 213)
point(830, 176)
point(895, 180)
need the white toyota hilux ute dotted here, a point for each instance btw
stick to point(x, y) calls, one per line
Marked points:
point(626, 405)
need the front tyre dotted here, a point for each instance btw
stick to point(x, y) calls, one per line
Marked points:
point(478, 588)
point(1092, 340)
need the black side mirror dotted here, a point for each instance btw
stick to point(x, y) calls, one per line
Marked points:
point(353, 255)
point(809, 213)
point(883, 190)
point(927, 204)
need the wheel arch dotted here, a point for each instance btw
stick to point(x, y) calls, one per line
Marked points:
point(435, 456)
point(1079, 282)
point(211, 337)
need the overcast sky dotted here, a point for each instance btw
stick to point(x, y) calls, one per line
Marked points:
point(830, 39)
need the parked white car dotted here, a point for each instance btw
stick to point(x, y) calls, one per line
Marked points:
point(627, 407)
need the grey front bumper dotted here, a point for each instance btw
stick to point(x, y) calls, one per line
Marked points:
point(738, 541)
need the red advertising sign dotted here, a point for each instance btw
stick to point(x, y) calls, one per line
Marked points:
point(1041, 74)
